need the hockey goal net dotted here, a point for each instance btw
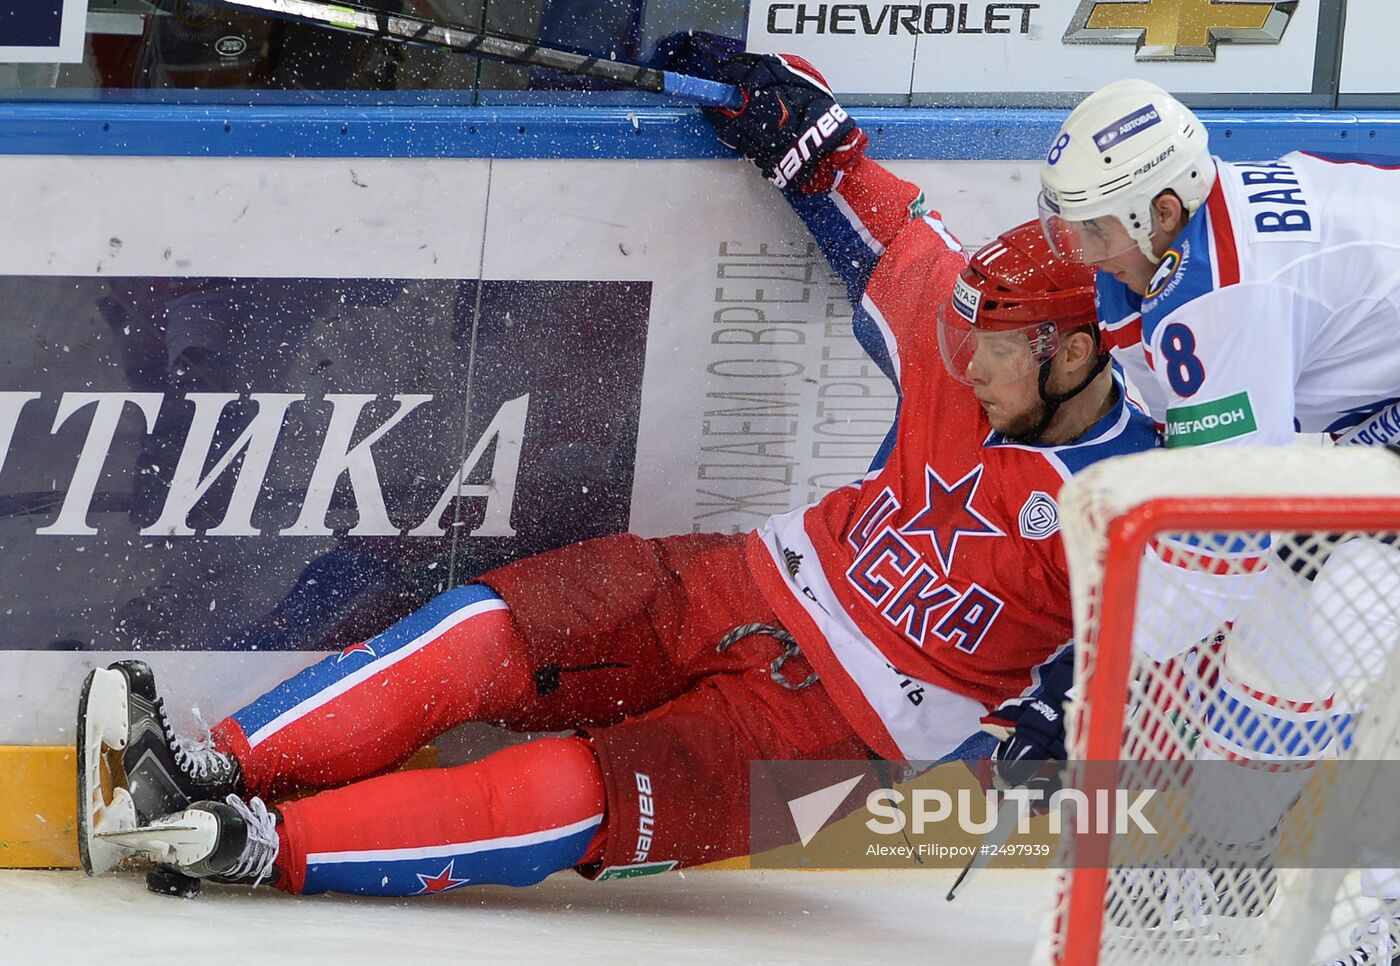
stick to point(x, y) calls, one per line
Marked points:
point(1236, 615)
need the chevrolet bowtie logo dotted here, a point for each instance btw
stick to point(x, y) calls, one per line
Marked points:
point(1180, 30)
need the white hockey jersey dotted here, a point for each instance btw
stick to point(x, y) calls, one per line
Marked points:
point(1276, 310)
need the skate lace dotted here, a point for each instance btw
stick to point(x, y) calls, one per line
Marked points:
point(1375, 944)
point(1183, 893)
point(261, 851)
point(197, 757)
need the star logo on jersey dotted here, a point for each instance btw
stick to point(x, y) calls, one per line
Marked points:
point(948, 515)
point(1179, 30)
point(360, 648)
point(442, 882)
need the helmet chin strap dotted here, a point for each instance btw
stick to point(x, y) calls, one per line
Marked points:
point(1144, 240)
point(1145, 246)
point(1054, 402)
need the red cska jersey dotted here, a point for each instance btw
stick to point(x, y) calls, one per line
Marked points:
point(931, 590)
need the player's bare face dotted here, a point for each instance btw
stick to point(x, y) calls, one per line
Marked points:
point(1013, 407)
point(1132, 268)
point(1103, 243)
point(1005, 379)
point(1002, 367)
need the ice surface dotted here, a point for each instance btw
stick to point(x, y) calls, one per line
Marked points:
point(710, 917)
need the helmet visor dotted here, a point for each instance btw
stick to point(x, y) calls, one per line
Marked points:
point(1087, 242)
point(992, 357)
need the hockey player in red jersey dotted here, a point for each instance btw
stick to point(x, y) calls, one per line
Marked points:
point(891, 616)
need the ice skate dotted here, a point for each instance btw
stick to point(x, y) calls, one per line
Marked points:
point(1221, 909)
point(132, 767)
point(1243, 897)
point(1376, 944)
point(1157, 902)
point(229, 841)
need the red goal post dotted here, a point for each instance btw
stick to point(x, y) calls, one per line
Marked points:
point(1211, 592)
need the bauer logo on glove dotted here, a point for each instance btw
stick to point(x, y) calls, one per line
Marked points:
point(809, 145)
point(790, 125)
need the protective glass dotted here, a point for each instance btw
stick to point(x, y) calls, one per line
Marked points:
point(1086, 242)
point(992, 356)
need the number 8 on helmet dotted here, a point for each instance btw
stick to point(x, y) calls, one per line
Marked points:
point(1117, 151)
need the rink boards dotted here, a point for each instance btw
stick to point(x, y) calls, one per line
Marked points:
point(621, 344)
point(425, 367)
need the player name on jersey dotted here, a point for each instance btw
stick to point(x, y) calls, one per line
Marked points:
point(1277, 199)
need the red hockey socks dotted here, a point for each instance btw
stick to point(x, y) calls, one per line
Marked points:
point(512, 818)
point(457, 659)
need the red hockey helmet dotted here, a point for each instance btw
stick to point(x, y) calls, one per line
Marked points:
point(1010, 305)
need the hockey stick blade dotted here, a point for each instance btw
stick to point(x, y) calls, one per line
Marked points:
point(1007, 815)
point(401, 28)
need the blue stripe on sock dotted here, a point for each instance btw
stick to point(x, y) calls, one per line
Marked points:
point(1247, 726)
point(333, 669)
point(517, 866)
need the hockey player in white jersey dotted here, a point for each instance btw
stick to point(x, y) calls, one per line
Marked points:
point(1247, 302)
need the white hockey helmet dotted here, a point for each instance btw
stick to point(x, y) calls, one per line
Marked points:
point(1118, 150)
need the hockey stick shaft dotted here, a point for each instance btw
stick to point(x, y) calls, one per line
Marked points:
point(402, 28)
point(1007, 817)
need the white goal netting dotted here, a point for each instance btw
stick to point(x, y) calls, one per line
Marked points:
point(1237, 612)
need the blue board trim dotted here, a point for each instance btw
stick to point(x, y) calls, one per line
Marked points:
point(571, 132)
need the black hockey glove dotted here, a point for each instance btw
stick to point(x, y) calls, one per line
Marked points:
point(1030, 755)
point(790, 125)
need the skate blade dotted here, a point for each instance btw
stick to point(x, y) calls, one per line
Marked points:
point(103, 805)
point(143, 832)
point(1241, 935)
point(180, 842)
point(1217, 937)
